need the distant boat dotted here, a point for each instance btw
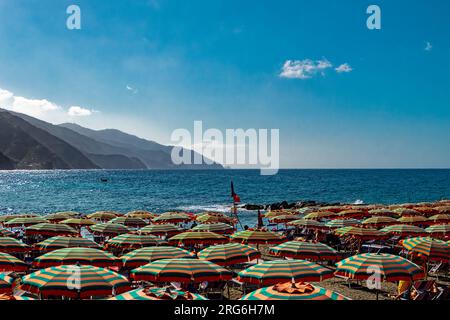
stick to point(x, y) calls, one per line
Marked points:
point(103, 179)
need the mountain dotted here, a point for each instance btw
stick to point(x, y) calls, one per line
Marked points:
point(28, 147)
point(5, 163)
point(105, 149)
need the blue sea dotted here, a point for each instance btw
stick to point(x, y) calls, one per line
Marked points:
point(44, 192)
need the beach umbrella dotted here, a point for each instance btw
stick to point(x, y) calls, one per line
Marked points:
point(8, 244)
point(60, 242)
point(407, 212)
point(60, 281)
point(141, 214)
point(134, 241)
point(334, 209)
point(414, 220)
point(180, 270)
point(389, 267)
point(6, 233)
point(161, 229)
point(157, 293)
point(347, 214)
point(308, 224)
point(293, 291)
point(284, 218)
point(425, 210)
point(319, 215)
point(229, 254)
point(6, 283)
point(443, 209)
point(382, 212)
point(433, 249)
point(360, 233)
point(171, 217)
point(55, 217)
point(305, 250)
point(257, 237)
point(197, 237)
point(146, 255)
point(103, 215)
point(6, 218)
point(439, 230)
point(71, 214)
point(211, 218)
point(130, 221)
point(10, 263)
point(440, 218)
point(18, 222)
point(274, 213)
point(403, 230)
point(272, 272)
point(109, 229)
point(68, 256)
point(221, 228)
point(78, 222)
point(379, 221)
point(50, 229)
point(340, 223)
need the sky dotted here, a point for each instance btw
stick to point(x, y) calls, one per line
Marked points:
point(342, 96)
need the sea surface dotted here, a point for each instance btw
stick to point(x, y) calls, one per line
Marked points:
point(45, 192)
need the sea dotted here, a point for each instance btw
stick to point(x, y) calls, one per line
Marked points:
point(87, 191)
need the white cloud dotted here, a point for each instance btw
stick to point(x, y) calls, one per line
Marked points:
point(40, 108)
point(304, 69)
point(76, 111)
point(344, 68)
point(130, 88)
point(428, 46)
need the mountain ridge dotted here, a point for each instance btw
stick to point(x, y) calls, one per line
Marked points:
point(93, 149)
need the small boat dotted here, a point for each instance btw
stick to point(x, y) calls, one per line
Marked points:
point(103, 179)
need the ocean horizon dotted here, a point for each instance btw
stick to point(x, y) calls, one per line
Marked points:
point(48, 191)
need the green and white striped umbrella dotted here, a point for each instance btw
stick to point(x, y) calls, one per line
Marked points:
point(305, 250)
point(51, 229)
point(404, 230)
point(161, 229)
point(229, 254)
point(219, 227)
point(181, 270)
point(433, 249)
point(197, 237)
point(59, 242)
point(388, 267)
point(272, 272)
point(146, 255)
point(8, 244)
point(341, 223)
point(18, 222)
point(10, 263)
point(439, 230)
point(6, 233)
point(130, 221)
point(75, 281)
point(134, 240)
point(257, 237)
point(84, 256)
point(109, 229)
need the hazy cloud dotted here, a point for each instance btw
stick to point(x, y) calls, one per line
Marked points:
point(39, 108)
point(304, 69)
point(344, 68)
point(131, 89)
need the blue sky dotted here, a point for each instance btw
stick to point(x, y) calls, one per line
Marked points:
point(221, 61)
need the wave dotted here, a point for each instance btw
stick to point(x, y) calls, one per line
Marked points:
point(212, 207)
point(358, 202)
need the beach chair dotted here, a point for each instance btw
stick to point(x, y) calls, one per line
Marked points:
point(424, 290)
